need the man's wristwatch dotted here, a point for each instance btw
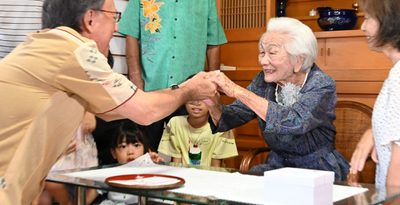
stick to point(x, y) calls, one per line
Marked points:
point(174, 87)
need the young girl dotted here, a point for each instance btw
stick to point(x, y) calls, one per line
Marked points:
point(189, 140)
point(127, 144)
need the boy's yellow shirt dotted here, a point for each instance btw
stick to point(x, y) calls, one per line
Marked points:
point(179, 134)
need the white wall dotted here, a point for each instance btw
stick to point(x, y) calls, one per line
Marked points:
point(117, 44)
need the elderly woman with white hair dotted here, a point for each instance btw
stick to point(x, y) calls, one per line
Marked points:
point(293, 100)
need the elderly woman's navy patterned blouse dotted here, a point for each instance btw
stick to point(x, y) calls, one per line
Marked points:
point(301, 135)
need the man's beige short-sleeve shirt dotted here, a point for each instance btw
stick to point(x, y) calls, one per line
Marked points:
point(49, 62)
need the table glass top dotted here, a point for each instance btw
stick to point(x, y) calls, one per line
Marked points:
point(372, 196)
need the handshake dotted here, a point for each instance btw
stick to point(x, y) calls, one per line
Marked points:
point(207, 85)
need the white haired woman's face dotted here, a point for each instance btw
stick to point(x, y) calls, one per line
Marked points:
point(275, 60)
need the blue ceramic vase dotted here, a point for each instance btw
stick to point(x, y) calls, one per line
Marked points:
point(336, 19)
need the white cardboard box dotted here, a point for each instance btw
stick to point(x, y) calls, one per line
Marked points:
point(289, 186)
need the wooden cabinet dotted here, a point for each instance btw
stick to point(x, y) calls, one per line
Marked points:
point(348, 50)
point(358, 71)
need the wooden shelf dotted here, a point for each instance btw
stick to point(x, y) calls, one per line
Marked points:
point(307, 18)
point(339, 34)
point(244, 35)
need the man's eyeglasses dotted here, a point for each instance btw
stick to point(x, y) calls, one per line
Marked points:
point(117, 14)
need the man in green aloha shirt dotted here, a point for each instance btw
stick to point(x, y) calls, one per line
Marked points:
point(175, 39)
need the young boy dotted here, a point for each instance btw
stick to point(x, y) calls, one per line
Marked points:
point(188, 139)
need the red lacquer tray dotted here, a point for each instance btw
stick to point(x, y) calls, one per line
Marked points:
point(145, 181)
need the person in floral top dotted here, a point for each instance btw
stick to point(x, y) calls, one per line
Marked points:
point(176, 38)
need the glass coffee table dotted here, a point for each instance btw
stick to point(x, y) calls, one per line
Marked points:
point(146, 196)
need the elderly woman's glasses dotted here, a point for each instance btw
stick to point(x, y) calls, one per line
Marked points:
point(117, 14)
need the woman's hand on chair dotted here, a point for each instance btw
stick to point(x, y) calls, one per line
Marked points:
point(365, 147)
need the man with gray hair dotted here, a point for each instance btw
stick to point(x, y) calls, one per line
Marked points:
point(48, 82)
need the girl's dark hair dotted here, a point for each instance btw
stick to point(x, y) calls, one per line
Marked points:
point(67, 12)
point(388, 15)
point(129, 132)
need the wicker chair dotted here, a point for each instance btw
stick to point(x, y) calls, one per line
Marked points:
point(352, 119)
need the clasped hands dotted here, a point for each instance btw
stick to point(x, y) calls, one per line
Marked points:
point(223, 83)
point(219, 82)
point(206, 86)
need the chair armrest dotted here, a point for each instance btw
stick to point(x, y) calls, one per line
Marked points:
point(249, 156)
